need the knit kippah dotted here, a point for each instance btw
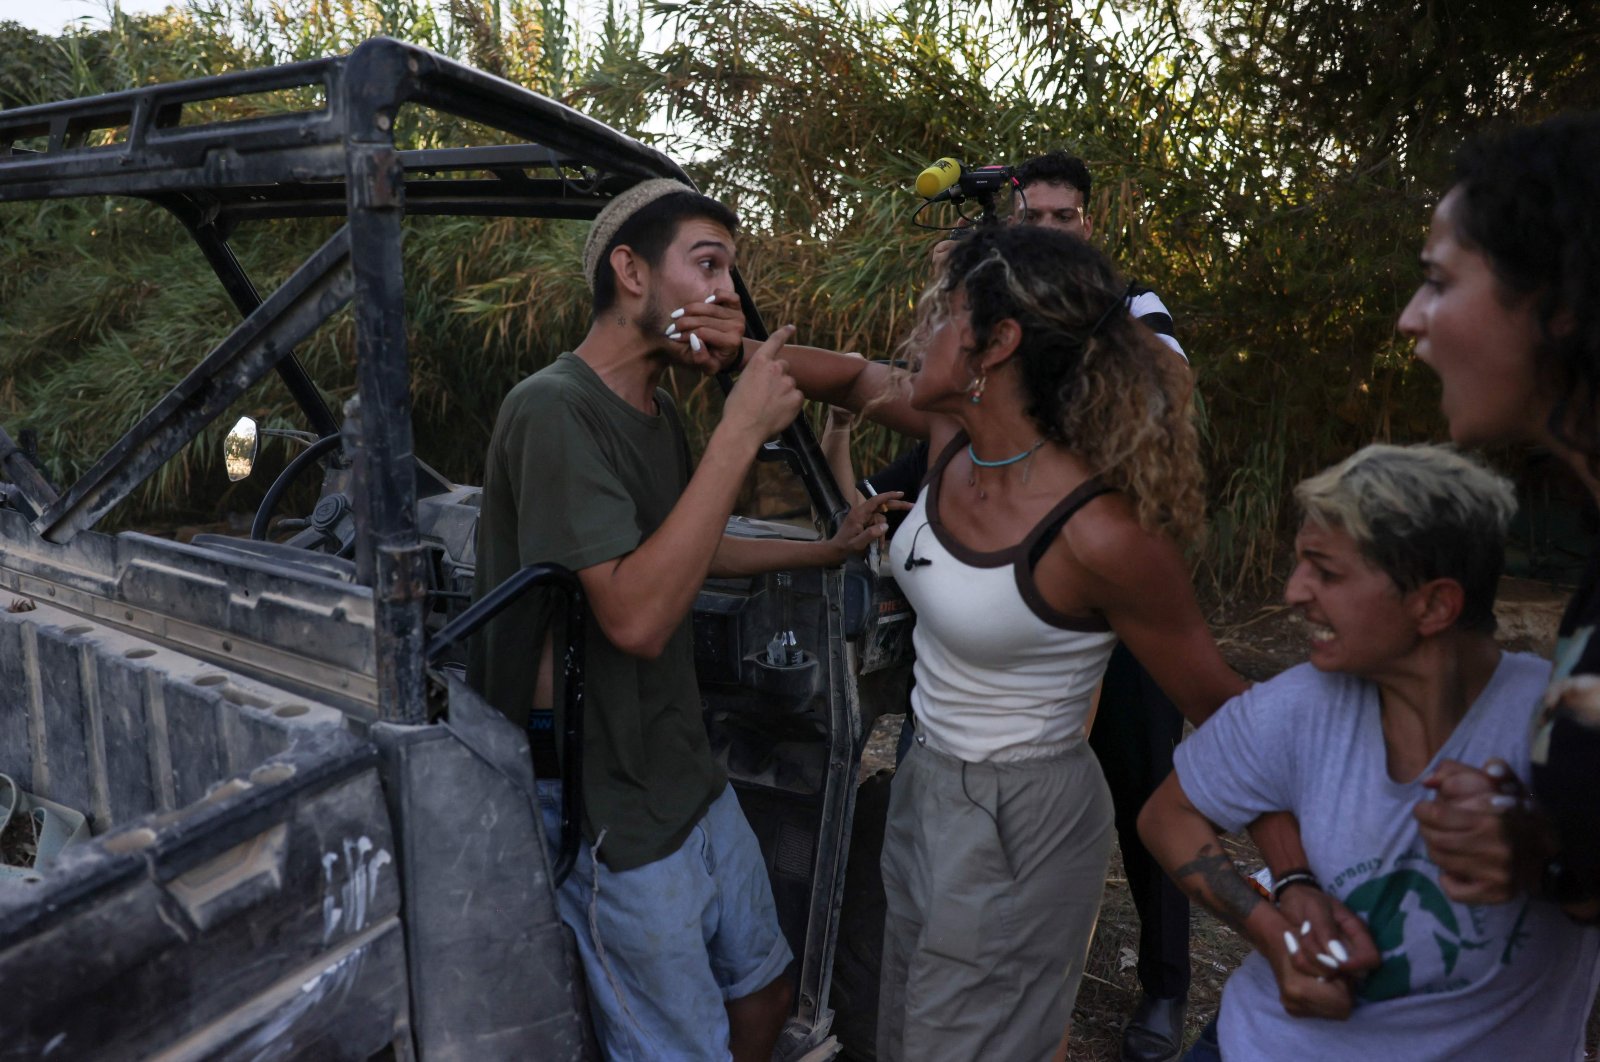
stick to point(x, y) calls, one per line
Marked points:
point(616, 214)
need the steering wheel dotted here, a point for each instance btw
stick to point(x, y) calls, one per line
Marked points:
point(329, 511)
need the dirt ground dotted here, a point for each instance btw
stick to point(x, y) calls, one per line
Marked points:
point(1259, 637)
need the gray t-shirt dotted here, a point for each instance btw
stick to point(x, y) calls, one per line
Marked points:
point(1491, 982)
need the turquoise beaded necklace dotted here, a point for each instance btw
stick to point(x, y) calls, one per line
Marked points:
point(978, 462)
point(1004, 461)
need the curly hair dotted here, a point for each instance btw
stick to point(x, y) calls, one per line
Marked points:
point(1095, 380)
point(1528, 201)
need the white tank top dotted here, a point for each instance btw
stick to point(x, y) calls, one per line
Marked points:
point(1001, 676)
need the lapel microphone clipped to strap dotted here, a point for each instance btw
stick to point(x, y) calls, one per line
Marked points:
point(912, 560)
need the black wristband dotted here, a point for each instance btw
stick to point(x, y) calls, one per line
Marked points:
point(1297, 876)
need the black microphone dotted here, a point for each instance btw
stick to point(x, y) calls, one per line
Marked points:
point(948, 179)
point(912, 560)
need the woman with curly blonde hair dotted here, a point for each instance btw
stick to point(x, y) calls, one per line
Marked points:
point(1050, 525)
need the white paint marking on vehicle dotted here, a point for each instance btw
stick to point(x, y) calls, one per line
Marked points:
point(346, 904)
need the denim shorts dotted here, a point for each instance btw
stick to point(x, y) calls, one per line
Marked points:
point(665, 946)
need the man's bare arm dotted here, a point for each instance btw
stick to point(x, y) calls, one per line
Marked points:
point(864, 524)
point(640, 598)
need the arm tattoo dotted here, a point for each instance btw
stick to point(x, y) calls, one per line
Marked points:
point(1219, 886)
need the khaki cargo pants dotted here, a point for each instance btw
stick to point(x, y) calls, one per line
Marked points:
point(994, 874)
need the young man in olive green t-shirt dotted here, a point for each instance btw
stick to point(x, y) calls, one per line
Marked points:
point(588, 467)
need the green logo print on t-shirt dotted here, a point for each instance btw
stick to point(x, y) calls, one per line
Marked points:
point(1386, 903)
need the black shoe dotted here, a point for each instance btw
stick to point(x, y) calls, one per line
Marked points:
point(1155, 1032)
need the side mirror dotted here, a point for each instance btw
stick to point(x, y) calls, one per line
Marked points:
point(239, 449)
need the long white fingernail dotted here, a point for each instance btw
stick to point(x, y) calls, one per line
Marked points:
point(1336, 949)
point(1290, 943)
point(695, 344)
point(712, 297)
point(1500, 802)
point(1305, 928)
point(677, 313)
point(671, 328)
point(1328, 960)
point(1495, 770)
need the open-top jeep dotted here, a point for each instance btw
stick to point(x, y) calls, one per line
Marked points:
point(311, 838)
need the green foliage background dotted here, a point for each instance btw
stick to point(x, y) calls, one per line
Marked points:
point(1266, 165)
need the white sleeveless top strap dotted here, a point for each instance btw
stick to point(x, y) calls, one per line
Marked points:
point(1000, 675)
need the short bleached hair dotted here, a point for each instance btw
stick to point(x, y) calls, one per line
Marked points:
point(1420, 513)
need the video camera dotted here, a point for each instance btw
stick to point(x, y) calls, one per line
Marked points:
point(948, 181)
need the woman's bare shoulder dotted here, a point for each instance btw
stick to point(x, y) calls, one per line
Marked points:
point(1106, 541)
